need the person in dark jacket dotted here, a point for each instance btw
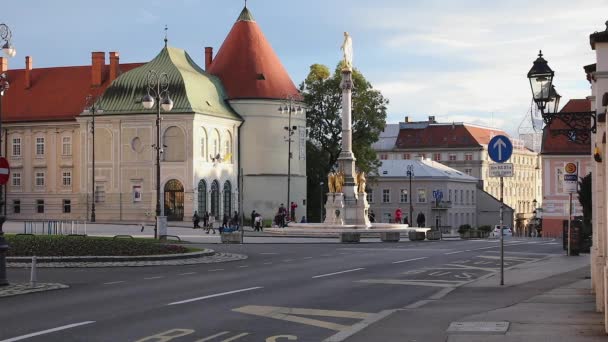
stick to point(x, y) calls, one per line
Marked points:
point(195, 220)
point(253, 215)
point(235, 220)
point(420, 219)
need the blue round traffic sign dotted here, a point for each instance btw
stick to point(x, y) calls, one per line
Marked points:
point(500, 149)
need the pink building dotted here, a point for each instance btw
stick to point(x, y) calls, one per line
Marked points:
point(557, 150)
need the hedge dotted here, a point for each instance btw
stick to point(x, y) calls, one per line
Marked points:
point(58, 245)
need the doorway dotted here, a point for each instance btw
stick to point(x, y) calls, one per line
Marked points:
point(174, 200)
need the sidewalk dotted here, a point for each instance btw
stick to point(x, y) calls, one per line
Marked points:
point(549, 300)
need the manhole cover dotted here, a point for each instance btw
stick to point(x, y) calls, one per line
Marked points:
point(478, 327)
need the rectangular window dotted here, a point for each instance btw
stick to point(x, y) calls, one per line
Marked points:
point(383, 156)
point(204, 147)
point(461, 197)
point(67, 206)
point(66, 147)
point(40, 206)
point(39, 146)
point(421, 196)
point(403, 197)
point(386, 195)
point(468, 171)
point(450, 195)
point(67, 178)
point(468, 156)
point(437, 156)
point(100, 193)
point(303, 137)
point(406, 156)
point(370, 196)
point(16, 176)
point(39, 178)
point(16, 206)
point(16, 147)
point(560, 180)
point(452, 157)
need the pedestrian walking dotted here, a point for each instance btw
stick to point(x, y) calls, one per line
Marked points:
point(206, 220)
point(282, 216)
point(235, 220)
point(253, 216)
point(371, 216)
point(224, 222)
point(258, 223)
point(293, 207)
point(420, 219)
point(195, 220)
point(211, 224)
point(398, 214)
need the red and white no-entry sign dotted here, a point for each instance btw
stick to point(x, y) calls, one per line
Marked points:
point(5, 170)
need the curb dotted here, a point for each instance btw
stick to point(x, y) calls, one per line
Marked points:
point(191, 255)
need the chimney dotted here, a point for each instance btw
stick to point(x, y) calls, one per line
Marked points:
point(114, 62)
point(3, 64)
point(407, 119)
point(208, 57)
point(432, 119)
point(98, 63)
point(28, 72)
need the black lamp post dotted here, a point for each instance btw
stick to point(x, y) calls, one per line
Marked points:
point(290, 108)
point(547, 100)
point(158, 93)
point(92, 109)
point(321, 203)
point(410, 174)
point(9, 50)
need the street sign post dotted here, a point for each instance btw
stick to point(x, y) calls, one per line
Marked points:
point(5, 170)
point(500, 149)
point(570, 186)
point(501, 170)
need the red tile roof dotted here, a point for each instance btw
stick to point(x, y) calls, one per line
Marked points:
point(55, 94)
point(445, 136)
point(248, 66)
point(560, 144)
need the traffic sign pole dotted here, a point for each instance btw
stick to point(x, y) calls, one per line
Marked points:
point(502, 239)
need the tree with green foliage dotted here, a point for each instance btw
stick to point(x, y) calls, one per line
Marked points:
point(323, 98)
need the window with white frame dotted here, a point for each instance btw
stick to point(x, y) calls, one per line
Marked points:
point(452, 157)
point(100, 193)
point(461, 197)
point(66, 146)
point(67, 206)
point(386, 195)
point(39, 178)
point(16, 147)
point(407, 156)
point(39, 146)
point(403, 196)
point(66, 178)
point(370, 195)
point(437, 156)
point(468, 156)
point(421, 196)
point(40, 206)
point(468, 171)
point(16, 176)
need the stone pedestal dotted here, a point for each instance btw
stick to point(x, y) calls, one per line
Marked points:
point(390, 237)
point(349, 237)
point(334, 209)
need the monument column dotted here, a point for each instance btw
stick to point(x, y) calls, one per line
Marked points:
point(346, 160)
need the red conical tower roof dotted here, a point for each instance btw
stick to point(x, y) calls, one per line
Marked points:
point(248, 66)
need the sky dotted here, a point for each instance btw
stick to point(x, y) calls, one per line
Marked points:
point(459, 60)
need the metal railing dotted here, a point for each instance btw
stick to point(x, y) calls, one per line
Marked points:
point(55, 227)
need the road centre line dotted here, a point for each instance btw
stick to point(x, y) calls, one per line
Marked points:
point(157, 277)
point(408, 260)
point(453, 252)
point(114, 282)
point(243, 266)
point(305, 258)
point(187, 273)
point(213, 296)
point(330, 274)
point(48, 331)
point(215, 270)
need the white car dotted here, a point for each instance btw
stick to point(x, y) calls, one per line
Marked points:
point(506, 231)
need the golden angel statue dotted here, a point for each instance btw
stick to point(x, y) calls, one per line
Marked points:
point(347, 49)
point(339, 181)
point(360, 182)
point(331, 181)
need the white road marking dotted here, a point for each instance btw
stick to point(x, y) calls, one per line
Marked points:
point(408, 260)
point(234, 338)
point(114, 282)
point(267, 263)
point(187, 273)
point(215, 270)
point(269, 253)
point(307, 258)
point(150, 278)
point(330, 274)
point(48, 331)
point(209, 338)
point(453, 252)
point(214, 295)
point(244, 266)
point(417, 304)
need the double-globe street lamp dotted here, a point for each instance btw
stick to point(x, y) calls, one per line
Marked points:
point(289, 108)
point(92, 108)
point(9, 50)
point(158, 93)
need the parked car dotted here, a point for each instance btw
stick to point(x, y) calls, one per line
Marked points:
point(506, 231)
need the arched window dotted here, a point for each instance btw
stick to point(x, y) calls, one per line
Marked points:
point(227, 153)
point(228, 198)
point(215, 200)
point(202, 197)
point(204, 153)
point(174, 145)
point(215, 143)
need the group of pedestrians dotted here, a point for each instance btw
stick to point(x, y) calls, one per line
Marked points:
point(209, 221)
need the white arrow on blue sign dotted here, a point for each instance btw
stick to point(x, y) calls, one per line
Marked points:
point(500, 149)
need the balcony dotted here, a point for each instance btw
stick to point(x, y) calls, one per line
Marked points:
point(441, 205)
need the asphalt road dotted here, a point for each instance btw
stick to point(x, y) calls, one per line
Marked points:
point(283, 292)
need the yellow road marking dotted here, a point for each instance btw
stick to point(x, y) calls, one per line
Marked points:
point(291, 315)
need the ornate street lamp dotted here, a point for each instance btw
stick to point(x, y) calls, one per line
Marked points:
point(158, 93)
point(92, 109)
point(9, 50)
point(547, 100)
point(289, 108)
